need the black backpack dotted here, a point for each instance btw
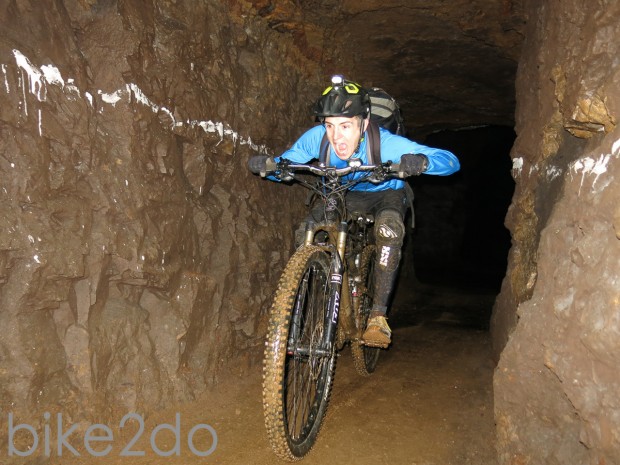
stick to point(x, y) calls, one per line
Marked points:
point(384, 112)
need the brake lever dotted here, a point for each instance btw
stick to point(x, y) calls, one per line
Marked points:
point(376, 178)
point(380, 175)
point(282, 172)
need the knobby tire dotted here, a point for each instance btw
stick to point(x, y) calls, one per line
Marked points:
point(296, 381)
point(364, 357)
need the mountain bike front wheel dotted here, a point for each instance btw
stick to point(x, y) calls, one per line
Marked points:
point(298, 369)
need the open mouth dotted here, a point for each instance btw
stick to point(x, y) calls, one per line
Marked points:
point(341, 149)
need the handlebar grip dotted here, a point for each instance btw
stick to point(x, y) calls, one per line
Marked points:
point(262, 165)
point(256, 164)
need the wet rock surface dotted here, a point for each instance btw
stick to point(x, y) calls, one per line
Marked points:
point(559, 303)
point(136, 251)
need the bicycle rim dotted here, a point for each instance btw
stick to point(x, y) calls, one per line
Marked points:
point(297, 378)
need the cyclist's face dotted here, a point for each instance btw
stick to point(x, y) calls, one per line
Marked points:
point(344, 134)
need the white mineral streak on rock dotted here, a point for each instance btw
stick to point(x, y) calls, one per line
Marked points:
point(600, 167)
point(35, 77)
point(52, 75)
point(38, 78)
point(112, 98)
point(589, 165)
point(71, 87)
point(225, 130)
point(517, 165)
point(141, 98)
point(6, 82)
point(169, 113)
point(553, 172)
point(615, 148)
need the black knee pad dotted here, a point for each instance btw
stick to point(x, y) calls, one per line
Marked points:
point(389, 228)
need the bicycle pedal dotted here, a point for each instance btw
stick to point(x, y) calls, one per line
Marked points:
point(376, 344)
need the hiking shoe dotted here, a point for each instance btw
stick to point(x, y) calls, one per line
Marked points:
point(378, 333)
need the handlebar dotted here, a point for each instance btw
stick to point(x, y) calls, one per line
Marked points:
point(285, 170)
point(340, 172)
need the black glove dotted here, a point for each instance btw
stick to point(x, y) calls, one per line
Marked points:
point(261, 164)
point(412, 165)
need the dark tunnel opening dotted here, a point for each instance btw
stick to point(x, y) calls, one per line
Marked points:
point(459, 238)
point(455, 257)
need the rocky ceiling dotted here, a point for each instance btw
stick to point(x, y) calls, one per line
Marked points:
point(451, 64)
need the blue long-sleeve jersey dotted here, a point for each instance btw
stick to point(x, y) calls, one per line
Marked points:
point(307, 147)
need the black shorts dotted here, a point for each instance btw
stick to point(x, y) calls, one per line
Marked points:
point(374, 202)
point(367, 203)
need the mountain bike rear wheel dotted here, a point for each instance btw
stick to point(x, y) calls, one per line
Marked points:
point(364, 357)
point(297, 371)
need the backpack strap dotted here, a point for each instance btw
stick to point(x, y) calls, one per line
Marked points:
point(409, 195)
point(324, 151)
point(373, 146)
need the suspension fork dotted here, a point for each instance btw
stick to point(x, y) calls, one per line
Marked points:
point(335, 286)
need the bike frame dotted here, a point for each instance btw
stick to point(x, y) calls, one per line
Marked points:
point(331, 191)
point(314, 312)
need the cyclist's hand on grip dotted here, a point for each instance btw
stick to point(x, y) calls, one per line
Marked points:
point(262, 165)
point(412, 165)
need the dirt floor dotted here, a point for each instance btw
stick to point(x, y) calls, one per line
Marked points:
point(428, 403)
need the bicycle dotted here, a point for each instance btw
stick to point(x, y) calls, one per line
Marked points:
point(322, 302)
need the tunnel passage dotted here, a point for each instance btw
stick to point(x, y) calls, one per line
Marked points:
point(460, 238)
point(137, 255)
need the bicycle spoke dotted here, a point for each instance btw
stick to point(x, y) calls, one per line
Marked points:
point(306, 367)
point(298, 379)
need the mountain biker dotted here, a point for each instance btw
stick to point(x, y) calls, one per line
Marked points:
point(344, 111)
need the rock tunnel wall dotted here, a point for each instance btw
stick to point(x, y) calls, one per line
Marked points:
point(136, 251)
point(557, 382)
point(137, 254)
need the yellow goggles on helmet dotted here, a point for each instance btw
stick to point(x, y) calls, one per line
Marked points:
point(338, 81)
